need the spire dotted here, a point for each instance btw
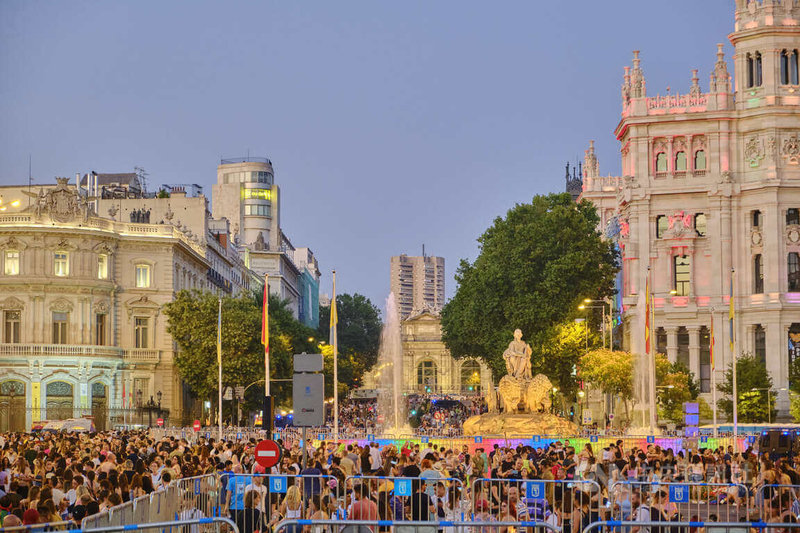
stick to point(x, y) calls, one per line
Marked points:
point(721, 78)
point(695, 88)
point(591, 167)
point(626, 86)
point(638, 86)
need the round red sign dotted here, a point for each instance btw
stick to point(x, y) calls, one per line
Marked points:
point(196, 425)
point(160, 422)
point(268, 453)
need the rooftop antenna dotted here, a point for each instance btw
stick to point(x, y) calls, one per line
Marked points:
point(30, 179)
point(423, 249)
point(142, 175)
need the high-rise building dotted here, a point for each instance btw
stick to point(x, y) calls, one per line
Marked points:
point(709, 203)
point(417, 283)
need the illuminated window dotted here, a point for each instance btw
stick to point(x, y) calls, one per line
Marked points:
point(758, 274)
point(682, 274)
point(100, 329)
point(793, 272)
point(142, 276)
point(426, 376)
point(470, 376)
point(141, 327)
point(11, 326)
point(662, 225)
point(700, 224)
point(680, 162)
point(700, 160)
point(102, 266)
point(61, 264)
point(11, 262)
point(661, 162)
point(60, 321)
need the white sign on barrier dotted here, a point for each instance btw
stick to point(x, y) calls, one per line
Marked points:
point(402, 487)
point(277, 484)
point(679, 493)
point(535, 489)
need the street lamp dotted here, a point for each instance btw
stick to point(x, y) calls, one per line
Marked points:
point(604, 302)
point(583, 307)
point(769, 400)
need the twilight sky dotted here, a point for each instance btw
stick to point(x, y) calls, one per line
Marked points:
point(390, 124)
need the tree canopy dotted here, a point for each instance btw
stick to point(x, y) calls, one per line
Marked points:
point(752, 382)
point(534, 268)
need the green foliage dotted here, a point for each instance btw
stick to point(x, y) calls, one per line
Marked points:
point(192, 323)
point(794, 375)
point(675, 387)
point(359, 338)
point(794, 407)
point(162, 193)
point(751, 373)
point(534, 268)
point(612, 371)
point(559, 354)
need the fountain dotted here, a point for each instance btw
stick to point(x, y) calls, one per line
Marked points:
point(391, 403)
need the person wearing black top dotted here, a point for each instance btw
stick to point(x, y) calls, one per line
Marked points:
point(421, 504)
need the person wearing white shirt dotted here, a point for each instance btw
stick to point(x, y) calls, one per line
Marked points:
point(257, 484)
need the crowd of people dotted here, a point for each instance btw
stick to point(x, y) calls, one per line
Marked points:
point(52, 477)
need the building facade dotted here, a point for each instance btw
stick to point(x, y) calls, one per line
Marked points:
point(709, 203)
point(81, 298)
point(417, 283)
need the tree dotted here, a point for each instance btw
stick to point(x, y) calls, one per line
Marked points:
point(612, 371)
point(794, 407)
point(558, 356)
point(752, 381)
point(359, 338)
point(794, 375)
point(535, 266)
point(676, 385)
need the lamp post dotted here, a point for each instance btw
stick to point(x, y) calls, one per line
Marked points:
point(604, 302)
point(769, 400)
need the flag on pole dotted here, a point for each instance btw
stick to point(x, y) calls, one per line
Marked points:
point(334, 319)
point(711, 344)
point(731, 314)
point(265, 317)
point(647, 311)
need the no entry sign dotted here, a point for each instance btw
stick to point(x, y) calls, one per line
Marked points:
point(268, 453)
point(160, 422)
point(196, 425)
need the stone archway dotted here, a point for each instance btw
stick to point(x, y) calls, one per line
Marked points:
point(12, 406)
point(99, 405)
point(60, 400)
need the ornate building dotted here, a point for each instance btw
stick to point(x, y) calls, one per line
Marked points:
point(711, 185)
point(80, 302)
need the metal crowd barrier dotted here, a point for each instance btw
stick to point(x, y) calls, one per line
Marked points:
point(392, 493)
point(689, 500)
point(774, 500)
point(691, 526)
point(49, 526)
point(194, 525)
point(412, 526)
point(534, 497)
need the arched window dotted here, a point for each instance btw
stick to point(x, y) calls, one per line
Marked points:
point(680, 162)
point(661, 162)
point(700, 160)
point(793, 272)
point(760, 343)
point(470, 376)
point(59, 400)
point(682, 274)
point(750, 72)
point(426, 376)
point(793, 68)
point(784, 67)
point(757, 69)
point(758, 274)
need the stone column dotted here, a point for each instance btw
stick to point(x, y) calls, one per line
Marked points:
point(778, 362)
point(672, 344)
point(694, 350)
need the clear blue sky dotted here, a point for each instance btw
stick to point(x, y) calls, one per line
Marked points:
point(390, 124)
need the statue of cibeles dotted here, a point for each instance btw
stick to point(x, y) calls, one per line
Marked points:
point(518, 357)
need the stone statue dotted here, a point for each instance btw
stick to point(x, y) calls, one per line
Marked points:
point(518, 357)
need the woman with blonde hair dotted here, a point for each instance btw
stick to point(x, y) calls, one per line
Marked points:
point(292, 505)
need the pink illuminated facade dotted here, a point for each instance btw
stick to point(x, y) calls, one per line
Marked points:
point(711, 183)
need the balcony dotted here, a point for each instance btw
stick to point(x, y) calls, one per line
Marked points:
point(140, 355)
point(58, 350)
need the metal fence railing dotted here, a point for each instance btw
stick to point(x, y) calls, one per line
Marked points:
point(414, 526)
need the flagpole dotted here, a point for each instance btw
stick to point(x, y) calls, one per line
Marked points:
point(219, 364)
point(713, 377)
point(334, 322)
point(733, 356)
point(266, 413)
point(652, 358)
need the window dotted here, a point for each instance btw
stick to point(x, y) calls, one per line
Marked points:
point(661, 340)
point(257, 210)
point(680, 162)
point(100, 329)
point(756, 218)
point(102, 266)
point(705, 359)
point(60, 327)
point(12, 263)
point(661, 162)
point(141, 327)
point(470, 376)
point(683, 270)
point(793, 275)
point(754, 70)
point(257, 194)
point(61, 264)
point(258, 177)
point(426, 376)
point(142, 276)
point(683, 346)
point(792, 216)
point(757, 68)
point(758, 274)
point(750, 74)
point(11, 321)
point(789, 67)
point(662, 225)
point(700, 160)
point(700, 224)
point(760, 343)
